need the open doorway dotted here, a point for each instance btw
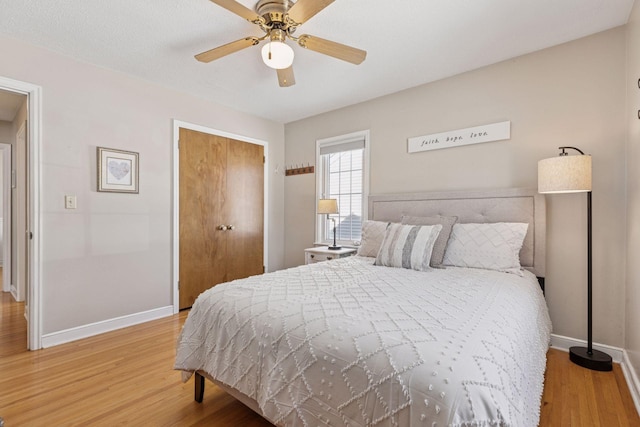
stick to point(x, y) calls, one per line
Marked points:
point(13, 119)
point(22, 183)
point(6, 233)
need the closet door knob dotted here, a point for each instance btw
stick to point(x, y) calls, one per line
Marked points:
point(231, 227)
point(222, 227)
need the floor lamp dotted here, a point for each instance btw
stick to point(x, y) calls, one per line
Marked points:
point(329, 207)
point(572, 174)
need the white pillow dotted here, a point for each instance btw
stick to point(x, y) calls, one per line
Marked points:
point(408, 246)
point(492, 246)
point(372, 236)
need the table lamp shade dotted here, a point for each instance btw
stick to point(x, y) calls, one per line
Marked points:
point(327, 206)
point(564, 174)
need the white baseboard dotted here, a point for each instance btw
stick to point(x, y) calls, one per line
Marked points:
point(14, 292)
point(632, 380)
point(564, 343)
point(85, 331)
point(618, 355)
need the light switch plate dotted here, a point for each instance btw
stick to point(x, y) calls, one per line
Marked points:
point(70, 202)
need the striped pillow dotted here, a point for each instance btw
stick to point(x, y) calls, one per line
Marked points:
point(408, 246)
point(441, 242)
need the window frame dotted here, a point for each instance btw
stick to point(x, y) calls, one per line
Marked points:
point(321, 181)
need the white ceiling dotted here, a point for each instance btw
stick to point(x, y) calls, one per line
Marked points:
point(409, 43)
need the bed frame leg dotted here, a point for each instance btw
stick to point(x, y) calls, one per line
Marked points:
point(199, 387)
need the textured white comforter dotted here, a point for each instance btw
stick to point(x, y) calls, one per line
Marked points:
point(346, 343)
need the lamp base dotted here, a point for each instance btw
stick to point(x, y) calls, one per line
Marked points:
point(596, 361)
point(334, 247)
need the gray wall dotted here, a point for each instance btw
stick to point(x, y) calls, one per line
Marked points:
point(112, 255)
point(6, 138)
point(19, 205)
point(5, 131)
point(572, 94)
point(632, 330)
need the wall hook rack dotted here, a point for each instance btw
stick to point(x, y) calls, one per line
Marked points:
point(299, 170)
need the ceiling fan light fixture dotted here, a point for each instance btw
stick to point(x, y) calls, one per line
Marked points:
point(277, 55)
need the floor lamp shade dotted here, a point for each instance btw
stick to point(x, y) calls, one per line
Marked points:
point(572, 174)
point(564, 174)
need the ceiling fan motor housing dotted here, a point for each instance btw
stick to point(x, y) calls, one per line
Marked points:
point(272, 11)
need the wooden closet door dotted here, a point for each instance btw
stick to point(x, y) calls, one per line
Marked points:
point(245, 209)
point(203, 181)
point(221, 184)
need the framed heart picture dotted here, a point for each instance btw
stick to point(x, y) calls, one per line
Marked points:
point(117, 171)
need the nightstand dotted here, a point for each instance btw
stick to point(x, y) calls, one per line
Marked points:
point(322, 253)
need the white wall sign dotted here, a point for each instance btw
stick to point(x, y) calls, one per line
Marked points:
point(456, 138)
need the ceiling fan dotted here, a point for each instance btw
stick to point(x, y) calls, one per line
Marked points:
point(279, 19)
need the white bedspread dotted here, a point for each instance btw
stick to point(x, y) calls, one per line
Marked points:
point(346, 343)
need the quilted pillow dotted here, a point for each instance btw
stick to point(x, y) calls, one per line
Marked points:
point(492, 246)
point(372, 236)
point(408, 246)
point(441, 242)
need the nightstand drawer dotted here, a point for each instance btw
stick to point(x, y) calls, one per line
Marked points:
point(321, 253)
point(311, 258)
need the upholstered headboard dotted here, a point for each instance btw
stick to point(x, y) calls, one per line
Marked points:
point(502, 205)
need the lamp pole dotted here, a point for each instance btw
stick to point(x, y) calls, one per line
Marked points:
point(589, 279)
point(588, 357)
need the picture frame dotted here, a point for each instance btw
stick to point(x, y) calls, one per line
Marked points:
point(117, 170)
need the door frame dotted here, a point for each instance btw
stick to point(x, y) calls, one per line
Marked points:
point(175, 256)
point(34, 303)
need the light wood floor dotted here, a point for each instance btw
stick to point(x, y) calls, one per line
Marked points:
point(126, 378)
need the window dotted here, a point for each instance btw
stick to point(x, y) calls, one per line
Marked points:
point(343, 164)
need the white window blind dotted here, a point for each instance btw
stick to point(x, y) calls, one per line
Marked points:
point(342, 176)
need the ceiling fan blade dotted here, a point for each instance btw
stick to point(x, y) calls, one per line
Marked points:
point(337, 50)
point(227, 49)
point(303, 10)
point(285, 77)
point(238, 9)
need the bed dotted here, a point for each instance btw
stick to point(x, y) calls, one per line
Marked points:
point(350, 343)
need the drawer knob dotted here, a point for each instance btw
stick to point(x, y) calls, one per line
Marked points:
point(312, 256)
